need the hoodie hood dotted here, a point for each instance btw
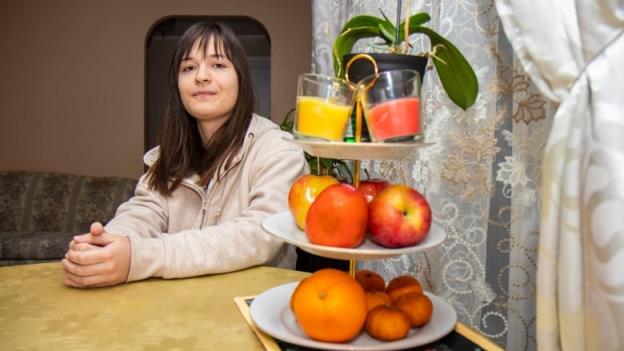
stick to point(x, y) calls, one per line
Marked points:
point(258, 126)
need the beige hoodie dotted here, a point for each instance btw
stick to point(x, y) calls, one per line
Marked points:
point(197, 231)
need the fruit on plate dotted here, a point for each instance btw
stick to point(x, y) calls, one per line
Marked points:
point(387, 323)
point(371, 187)
point(401, 285)
point(337, 217)
point(399, 216)
point(329, 306)
point(375, 298)
point(303, 192)
point(417, 307)
point(370, 280)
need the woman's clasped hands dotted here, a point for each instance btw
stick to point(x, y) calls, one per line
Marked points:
point(97, 258)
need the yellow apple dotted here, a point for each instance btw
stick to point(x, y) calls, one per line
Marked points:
point(303, 192)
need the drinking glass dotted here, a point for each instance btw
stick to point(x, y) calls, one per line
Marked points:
point(391, 102)
point(324, 106)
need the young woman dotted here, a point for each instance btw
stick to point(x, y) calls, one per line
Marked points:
point(218, 172)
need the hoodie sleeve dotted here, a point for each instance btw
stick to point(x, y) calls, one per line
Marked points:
point(231, 245)
point(143, 215)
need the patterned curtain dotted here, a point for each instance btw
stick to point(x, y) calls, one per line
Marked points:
point(482, 174)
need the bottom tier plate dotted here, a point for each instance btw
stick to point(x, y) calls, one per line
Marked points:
point(271, 313)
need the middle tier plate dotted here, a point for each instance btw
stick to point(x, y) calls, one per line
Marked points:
point(282, 225)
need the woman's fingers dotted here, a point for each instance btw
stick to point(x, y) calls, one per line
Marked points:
point(88, 254)
point(82, 246)
point(97, 228)
point(85, 282)
point(98, 266)
point(85, 270)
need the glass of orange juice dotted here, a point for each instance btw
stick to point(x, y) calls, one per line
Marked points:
point(392, 106)
point(324, 106)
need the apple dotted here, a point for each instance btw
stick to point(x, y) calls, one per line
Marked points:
point(337, 217)
point(303, 192)
point(399, 216)
point(371, 187)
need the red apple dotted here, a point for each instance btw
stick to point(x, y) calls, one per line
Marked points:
point(337, 217)
point(303, 192)
point(371, 187)
point(399, 216)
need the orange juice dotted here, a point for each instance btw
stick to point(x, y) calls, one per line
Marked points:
point(320, 118)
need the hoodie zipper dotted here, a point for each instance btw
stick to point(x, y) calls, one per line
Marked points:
point(204, 193)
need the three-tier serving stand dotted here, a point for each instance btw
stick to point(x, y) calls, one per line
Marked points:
point(274, 317)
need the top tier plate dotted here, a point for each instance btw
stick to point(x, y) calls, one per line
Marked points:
point(359, 151)
point(282, 225)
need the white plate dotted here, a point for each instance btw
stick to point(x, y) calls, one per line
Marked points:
point(271, 313)
point(359, 151)
point(282, 225)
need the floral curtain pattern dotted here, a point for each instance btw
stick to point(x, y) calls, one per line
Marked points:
point(481, 175)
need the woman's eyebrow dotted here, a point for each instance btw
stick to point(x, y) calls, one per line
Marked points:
point(218, 56)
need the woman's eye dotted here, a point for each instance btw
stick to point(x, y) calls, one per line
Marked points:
point(187, 68)
point(219, 65)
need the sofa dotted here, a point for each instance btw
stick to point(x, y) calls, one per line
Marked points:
point(40, 212)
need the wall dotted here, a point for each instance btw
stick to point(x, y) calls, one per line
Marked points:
point(72, 76)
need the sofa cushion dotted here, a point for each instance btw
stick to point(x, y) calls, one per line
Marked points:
point(40, 212)
point(53, 202)
point(34, 245)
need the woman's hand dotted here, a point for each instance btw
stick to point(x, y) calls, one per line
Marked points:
point(97, 259)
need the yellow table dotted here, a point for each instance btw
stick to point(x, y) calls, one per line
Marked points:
point(38, 312)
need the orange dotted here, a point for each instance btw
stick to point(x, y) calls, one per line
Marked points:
point(375, 298)
point(417, 307)
point(402, 285)
point(292, 297)
point(329, 306)
point(370, 280)
point(387, 323)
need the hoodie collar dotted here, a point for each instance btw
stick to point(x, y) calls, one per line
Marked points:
point(258, 126)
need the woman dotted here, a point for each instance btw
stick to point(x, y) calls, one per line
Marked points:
point(218, 172)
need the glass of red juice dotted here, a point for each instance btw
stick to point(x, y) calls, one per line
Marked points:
point(392, 105)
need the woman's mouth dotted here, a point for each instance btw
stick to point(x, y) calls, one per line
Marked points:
point(204, 93)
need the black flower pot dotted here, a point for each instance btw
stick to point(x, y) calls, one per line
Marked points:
point(362, 68)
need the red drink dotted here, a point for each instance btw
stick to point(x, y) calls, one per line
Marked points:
point(395, 118)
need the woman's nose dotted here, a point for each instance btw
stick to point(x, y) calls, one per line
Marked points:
point(203, 74)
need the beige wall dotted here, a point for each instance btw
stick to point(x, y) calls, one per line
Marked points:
point(72, 76)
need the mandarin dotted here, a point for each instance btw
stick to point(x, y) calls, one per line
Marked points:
point(387, 323)
point(402, 285)
point(329, 306)
point(370, 280)
point(375, 298)
point(417, 307)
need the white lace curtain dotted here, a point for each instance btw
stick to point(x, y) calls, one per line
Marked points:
point(482, 174)
point(574, 51)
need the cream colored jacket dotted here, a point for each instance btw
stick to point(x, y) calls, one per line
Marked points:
point(197, 231)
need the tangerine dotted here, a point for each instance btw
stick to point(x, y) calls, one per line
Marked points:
point(375, 298)
point(330, 306)
point(370, 280)
point(402, 285)
point(387, 323)
point(417, 307)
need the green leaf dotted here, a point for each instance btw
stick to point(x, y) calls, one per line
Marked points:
point(457, 77)
point(355, 29)
point(387, 34)
point(415, 21)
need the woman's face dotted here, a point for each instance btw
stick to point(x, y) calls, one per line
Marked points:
point(208, 86)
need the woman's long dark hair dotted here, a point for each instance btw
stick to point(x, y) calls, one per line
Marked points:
point(182, 151)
